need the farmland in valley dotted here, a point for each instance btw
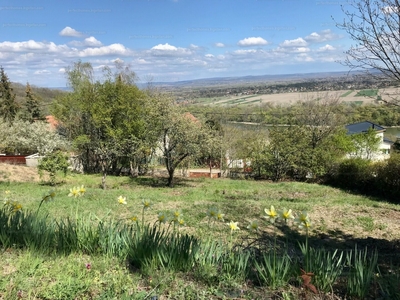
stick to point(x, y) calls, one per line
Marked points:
point(355, 97)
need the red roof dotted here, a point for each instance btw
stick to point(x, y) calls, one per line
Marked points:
point(52, 121)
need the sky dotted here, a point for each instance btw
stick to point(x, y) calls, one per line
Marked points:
point(170, 40)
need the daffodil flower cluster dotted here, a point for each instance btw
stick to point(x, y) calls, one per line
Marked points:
point(303, 221)
point(273, 215)
point(215, 214)
point(77, 191)
point(175, 217)
point(14, 206)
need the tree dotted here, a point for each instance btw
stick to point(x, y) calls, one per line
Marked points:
point(320, 118)
point(365, 144)
point(28, 138)
point(180, 135)
point(8, 106)
point(284, 151)
point(31, 105)
point(103, 118)
point(212, 150)
point(375, 28)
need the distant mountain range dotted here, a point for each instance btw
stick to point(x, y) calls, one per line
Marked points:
point(238, 80)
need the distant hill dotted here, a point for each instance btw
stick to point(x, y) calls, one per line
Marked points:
point(43, 94)
point(242, 80)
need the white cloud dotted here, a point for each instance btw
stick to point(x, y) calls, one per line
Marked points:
point(87, 42)
point(118, 61)
point(387, 10)
point(303, 57)
point(241, 51)
point(42, 72)
point(252, 41)
point(61, 70)
point(209, 55)
point(31, 45)
point(113, 49)
point(68, 31)
point(322, 36)
point(219, 45)
point(299, 42)
point(327, 47)
point(166, 46)
point(92, 41)
point(302, 49)
point(170, 50)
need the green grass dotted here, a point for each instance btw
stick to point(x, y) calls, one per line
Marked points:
point(37, 275)
point(347, 93)
point(367, 93)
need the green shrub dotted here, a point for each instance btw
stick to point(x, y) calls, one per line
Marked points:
point(52, 163)
point(388, 177)
point(354, 174)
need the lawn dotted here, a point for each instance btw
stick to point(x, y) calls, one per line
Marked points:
point(339, 220)
point(367, 93)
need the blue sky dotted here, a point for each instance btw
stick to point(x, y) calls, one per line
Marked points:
point(170, 40)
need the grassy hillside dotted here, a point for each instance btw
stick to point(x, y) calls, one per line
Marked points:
point(44, 95)
point(339, 220)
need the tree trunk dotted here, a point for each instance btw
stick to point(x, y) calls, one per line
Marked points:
point(103, 180)
point(171, 178)
point(210, 165)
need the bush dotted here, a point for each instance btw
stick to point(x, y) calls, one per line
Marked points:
point(388, 177)
point(52, 163)
point(354, 174)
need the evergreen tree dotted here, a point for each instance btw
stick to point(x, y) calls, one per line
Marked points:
point(8, 106)
point(32, 105)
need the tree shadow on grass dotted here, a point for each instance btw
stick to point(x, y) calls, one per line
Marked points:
point(159, 181)
point(371, 194)
point(288, 238)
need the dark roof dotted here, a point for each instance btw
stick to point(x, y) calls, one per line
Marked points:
point(363, 127)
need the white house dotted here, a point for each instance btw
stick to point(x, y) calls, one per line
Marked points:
point(384, 146)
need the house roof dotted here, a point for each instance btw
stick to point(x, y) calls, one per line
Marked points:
point(363, 127)
point(52, 121)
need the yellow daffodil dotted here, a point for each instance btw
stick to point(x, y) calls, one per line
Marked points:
point(134, 219)
point(220, 216)
point(181, 222)
point(17, 207)
point(233, 226)
point(302, 218)
point(146, 204)
point(286, 214)
point(52, 194)
point(272, 215)
point(74, 192)
point(162, 217)
point(176, 215)
point(121, 200)
point(305, 225)
point(82, 190)
point(212, 212)
point(253, 226)
point(7, 192)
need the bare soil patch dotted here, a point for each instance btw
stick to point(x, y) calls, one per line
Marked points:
point(18, 173)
